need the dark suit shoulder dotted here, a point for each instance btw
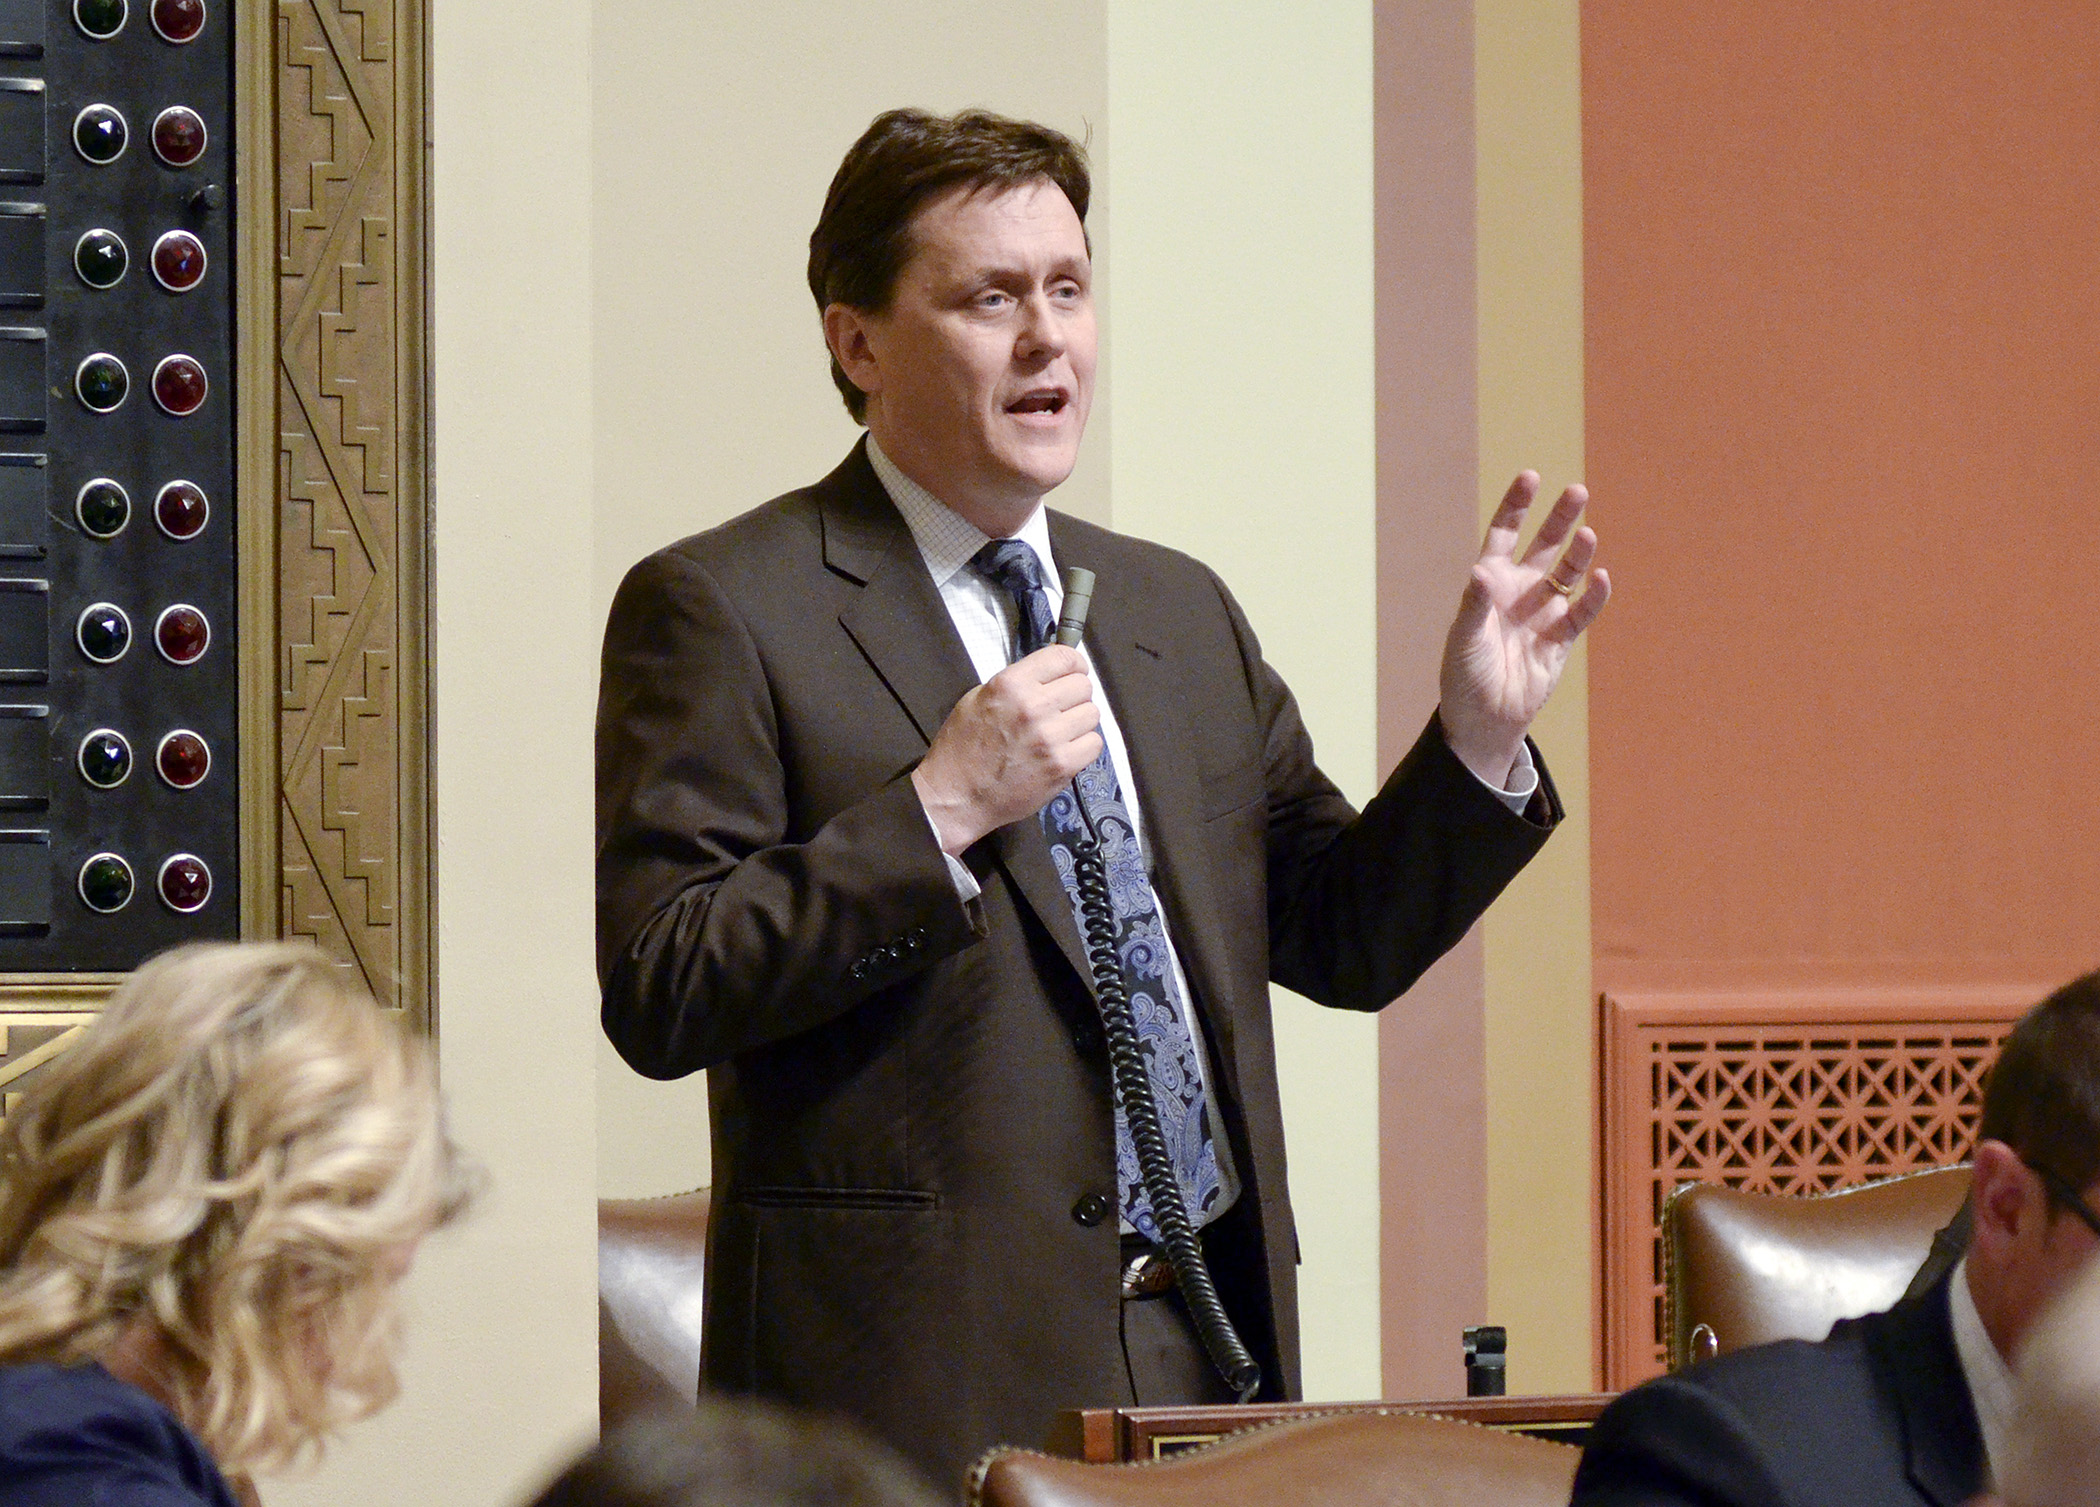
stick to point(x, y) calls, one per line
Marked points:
point(1831, 1424)
point(1673, 1442)
point(781, 529)
point(1081, 539)
point(75, 1434)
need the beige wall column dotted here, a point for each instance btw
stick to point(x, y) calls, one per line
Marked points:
point(502, 1361)
point(1539, 1073)
point(1241, 348)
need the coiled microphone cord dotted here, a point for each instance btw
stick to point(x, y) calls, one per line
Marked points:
point(1126, 1061)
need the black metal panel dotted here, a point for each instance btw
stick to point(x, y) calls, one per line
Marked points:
point(25, 883)
point(22, 152)
point(23, 405)
point(139, 568)
point(25, 630)
point(25, 757)
point(21, 28)
point(25, 506)
point(21, 255)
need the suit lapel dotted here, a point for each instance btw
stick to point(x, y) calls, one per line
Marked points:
point(1140, 678)
point(897, 620)
point(902, 628)
point(1944, 1441)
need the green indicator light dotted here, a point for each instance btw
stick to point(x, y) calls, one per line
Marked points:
point(99, 133)
point(100, 258)
point(102, 382)
point(100, 19)
point(103, 508)
point(106, 883)
point(104, 633)
point(105, 758)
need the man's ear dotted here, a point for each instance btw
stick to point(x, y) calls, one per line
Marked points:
point(2004, 1195)
point(846, 332)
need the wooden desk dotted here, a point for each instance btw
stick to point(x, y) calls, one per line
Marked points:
point(1116, 1436)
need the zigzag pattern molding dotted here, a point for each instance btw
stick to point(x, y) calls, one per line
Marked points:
point(354, 866)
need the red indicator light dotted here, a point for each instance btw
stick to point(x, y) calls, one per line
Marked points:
point(179, 385)
point(185, 883)
point(178, 261)
point(182, 634)
point(178, 136)
point(181, 510)
point(184, 759)
point(178, 20)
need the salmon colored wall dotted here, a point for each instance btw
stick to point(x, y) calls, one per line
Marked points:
point(1843, 365)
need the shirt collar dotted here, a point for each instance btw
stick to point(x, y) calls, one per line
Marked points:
point(1989, 1378)
point(946, 539)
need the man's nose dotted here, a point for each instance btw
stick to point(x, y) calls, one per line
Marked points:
point(1042, 335)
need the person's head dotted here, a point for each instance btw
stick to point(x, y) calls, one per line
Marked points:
point(2035, 1193)
point(952, 269)
point(2053, 1447)
point(231, 1168)
point(737, 1453)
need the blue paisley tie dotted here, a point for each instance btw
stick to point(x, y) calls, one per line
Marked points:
point(1155, 997)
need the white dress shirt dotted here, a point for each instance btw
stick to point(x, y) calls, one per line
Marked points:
point(1989, 1378)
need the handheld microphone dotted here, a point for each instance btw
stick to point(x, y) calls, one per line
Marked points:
point(1079, 596)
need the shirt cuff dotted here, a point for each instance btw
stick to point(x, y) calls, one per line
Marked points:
point(1516, 792)
point(966, 886)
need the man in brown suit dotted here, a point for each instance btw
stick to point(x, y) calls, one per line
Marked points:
point(825, 737)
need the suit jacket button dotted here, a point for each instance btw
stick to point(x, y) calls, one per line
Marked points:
point(1091, 1209)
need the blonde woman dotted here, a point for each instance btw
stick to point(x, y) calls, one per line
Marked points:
point(205, 1207)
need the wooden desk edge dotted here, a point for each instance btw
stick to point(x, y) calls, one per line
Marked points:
point(1106, 1436)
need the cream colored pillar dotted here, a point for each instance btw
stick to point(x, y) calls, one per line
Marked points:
point(501, 1379)
point(1241, 352)
point(1528, 121)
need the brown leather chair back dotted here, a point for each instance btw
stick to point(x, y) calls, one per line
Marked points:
point(1347, 1460)
point(1746, 1268)
point(652, 1259)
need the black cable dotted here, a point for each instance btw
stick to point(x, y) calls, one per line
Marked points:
point(1133, 1084)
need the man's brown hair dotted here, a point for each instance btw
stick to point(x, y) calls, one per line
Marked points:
point(2043, 1097)
point(906, 157)
point(737, 1452)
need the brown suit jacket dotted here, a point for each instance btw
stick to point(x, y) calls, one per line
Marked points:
point(909, 1095)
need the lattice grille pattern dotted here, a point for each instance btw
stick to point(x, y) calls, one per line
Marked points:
point(1769, 1106)
point(1784, 1114)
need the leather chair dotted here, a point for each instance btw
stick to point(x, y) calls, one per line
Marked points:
point(1745, 1268)
point(652, 1257)
point(1345, 1460)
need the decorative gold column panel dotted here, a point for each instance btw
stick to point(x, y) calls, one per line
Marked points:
point(353, 812)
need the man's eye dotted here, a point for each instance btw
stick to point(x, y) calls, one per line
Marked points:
point(992, 300)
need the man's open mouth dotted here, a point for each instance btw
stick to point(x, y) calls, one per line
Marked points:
point(1048, 400)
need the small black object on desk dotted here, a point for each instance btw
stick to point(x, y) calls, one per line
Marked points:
point(1487, 1361)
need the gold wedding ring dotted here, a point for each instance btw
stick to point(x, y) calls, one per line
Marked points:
point(1563, 590)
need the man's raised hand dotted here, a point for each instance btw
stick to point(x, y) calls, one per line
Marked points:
point(1515, 624)
point(1008, 745)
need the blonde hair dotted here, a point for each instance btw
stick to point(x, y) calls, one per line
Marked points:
point(243, 1151)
